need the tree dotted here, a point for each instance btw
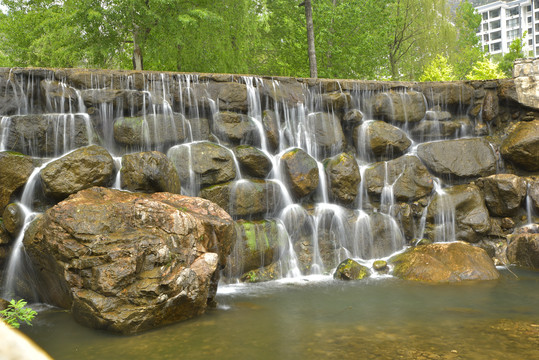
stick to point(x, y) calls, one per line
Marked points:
point(313, 70)
point(515, 52)
point(438, 70)
point(485, 69)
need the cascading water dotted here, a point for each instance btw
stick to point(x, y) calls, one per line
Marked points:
point(164, 112)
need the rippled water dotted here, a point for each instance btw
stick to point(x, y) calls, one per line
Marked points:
point(318, 318)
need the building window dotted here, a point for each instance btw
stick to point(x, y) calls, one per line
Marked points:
point(512, 23)
point(485, 16)
point(537, 15)
point(485, 27)
point(494, 13)
point(495, 24)
point(496, 35)
point(536, 29)
point(485, 37)
point(511, 12)
point(529, 19)
point(530, 31)
point(513, 34)
point(530, 42)
point(529, 8)
point(496, 46)
point(537, 39)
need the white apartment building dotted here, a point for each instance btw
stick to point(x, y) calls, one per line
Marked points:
point(506, 20)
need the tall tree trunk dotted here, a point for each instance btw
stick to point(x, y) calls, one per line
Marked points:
point(310, 38)
point(137, 54)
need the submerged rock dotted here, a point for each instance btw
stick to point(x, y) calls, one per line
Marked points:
point(351, 270)
point(149, 171)
point(521, 146)
point(128, 262)
point(444, 262)
point(463, 158)
point(81, 169)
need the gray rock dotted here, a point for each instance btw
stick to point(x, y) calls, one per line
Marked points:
point(503, 193)
point(301, 172)
point(151, 130)
point(149, 171)
point(252, 161)
point(382, 139)
point(399, 107)
point(521, 146)
point(344, 178)
point(326, 132)
point(234, 128)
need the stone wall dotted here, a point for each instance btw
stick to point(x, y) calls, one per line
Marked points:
point(526, 74)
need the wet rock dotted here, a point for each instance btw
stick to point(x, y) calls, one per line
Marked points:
point(344, 178)
point(351, 270)
point(521, 146)
point(470, 213)
point(380, 266)
point(200, 129)
point(268, 273)
point(399, 107)
point(287, 91)
point(128, 262)
point(58, 96)
point(258, 244)
point(149, 171)
point(235, 128)
point(80, 169)
point(301, 172)
point(337, 101)
point(453, 94)
point(48, 134)
point(210, 163)
point(271, 129)
point(410, 178)
point(16, 169)
point(444, 262)
point(245, 198)
point(13, 217)
point(382, 139)
point(438, 115)
point(387, 237)
point(490, 106)
point(231, 95)
point(5, 239)
point(463, 158)
point(533, 193)
point(326, 132)
point(428, 130)
point(253, 161)
point(523, 250)
point(350, 120)
point(150, 130)
point(503, 193)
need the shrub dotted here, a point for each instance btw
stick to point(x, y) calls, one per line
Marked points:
point(16, 313)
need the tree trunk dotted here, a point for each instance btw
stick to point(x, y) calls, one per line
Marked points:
point(310, 38)
point(137, 54)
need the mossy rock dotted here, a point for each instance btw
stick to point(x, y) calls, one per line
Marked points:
point(380, 266)
point(351, 270)
point(268, 273)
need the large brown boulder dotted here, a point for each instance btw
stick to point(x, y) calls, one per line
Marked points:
point(149, 171)
point(523, 250)
point(463, 158)
point(444, 262)
point(344, 178)
point(326, 133)
point(234, 128)
point(521, 146)
point(466, 205)
point(382, 139)
point(410, 178)
point(204, 162)
point(48, 134)
point(399, 107)
point(253, 161)
point(15, 168)
point(301, 172)
point(245, 198)
point(128, 262)
point(81, 169)
point(151, 130)
point(503, 193)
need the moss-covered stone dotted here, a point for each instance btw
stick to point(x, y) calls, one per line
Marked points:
point(351, 270)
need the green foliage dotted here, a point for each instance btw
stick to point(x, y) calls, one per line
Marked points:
point(16, 313)
point(515, 52)
point(485, 69)
point(438, 70)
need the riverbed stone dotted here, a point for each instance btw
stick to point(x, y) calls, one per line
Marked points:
point(343, 177)
point(503, 193)
point(16, 169)
point(235, 129)
point(301, 172)
point(382, 139)
point(410, 178)
point(150, 130)
point(251, 199)
point(149, 171)
point(444, 262)
point(253, 161)
point(462, 158)
point(351, 270)
point(210, 163)
point(128, 262)
point(80, 169)
point(521, 146)
point(523, 250)
point(401, 107)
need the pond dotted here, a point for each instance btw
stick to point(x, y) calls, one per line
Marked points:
point(320, 318)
